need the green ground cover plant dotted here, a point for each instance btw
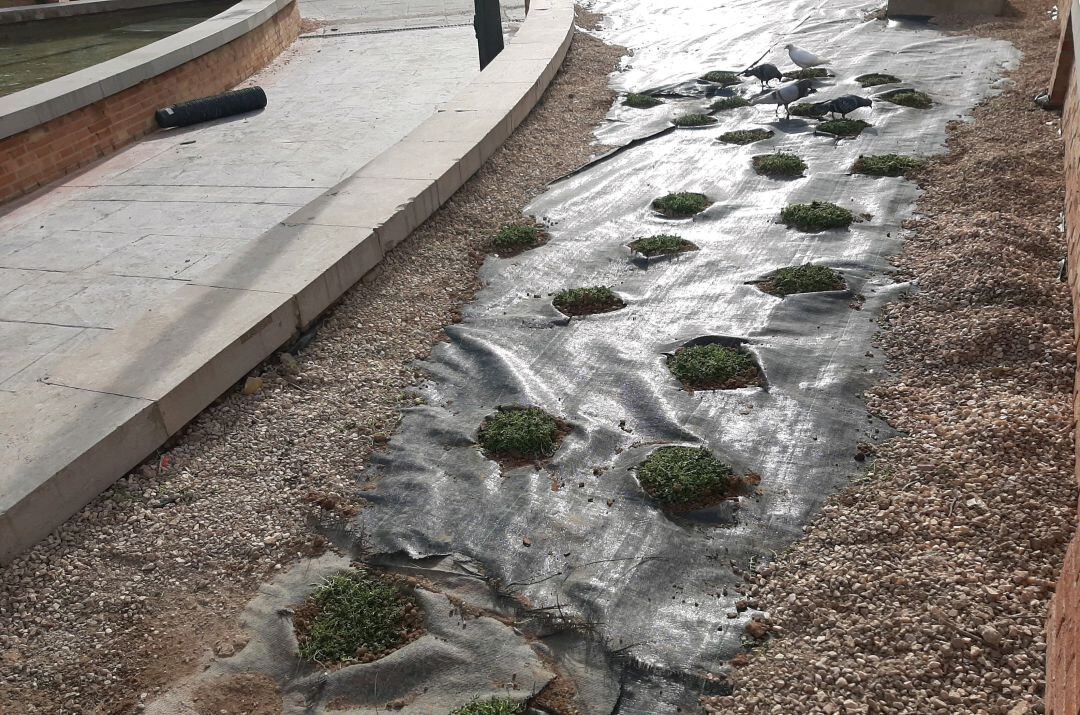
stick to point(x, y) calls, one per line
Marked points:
point(816, 216)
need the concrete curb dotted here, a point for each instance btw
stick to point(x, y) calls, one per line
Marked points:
point(69, 437)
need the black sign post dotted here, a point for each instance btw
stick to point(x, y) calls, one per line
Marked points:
point(487, 22)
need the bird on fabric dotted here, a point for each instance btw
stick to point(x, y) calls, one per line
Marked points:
point(785, 94)
point(847, 104)
point(804, 58)
point(765, 73)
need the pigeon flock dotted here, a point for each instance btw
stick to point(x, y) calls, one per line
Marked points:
point(786, 94)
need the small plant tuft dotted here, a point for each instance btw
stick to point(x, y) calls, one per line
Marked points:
point(876, 79)
point(910, 98)
point(641, 101)
point(745, 136)
point(681, 204)
point(779, 165)
point(721, 77)
point(722, 105)
point(802, 279)
point(355, 616)
point(587, 301)
point(803, 109)
point(714, 367)
point(518, 434)
point(844, 127)
point(497, 706)
point(812, 73)
point(887, 165)
point(693, 120)
point(816, 216)
point(516, 238)
point(684, 476)
point(661, 245)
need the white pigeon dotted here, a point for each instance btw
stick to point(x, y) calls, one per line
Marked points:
point(804, 58)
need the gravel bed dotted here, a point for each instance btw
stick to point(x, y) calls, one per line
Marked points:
point(924, 587)
point(132, 592)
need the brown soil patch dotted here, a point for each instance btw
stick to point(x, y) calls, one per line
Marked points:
point(243, 694)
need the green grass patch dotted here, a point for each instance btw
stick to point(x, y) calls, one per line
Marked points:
point(887, 164)
point(876, 79)
point(745, 136)
point(802, 279)
point(812, 73)
point(355, 616)
point(681, 204)
point(726, 103)
point(816, 216)
point(516, 238)
point(520, 434)
point(714, 367)
point(683, 475)
point(498, 706)
point(721, 77)
point(693, 120)
point(587, 301)
point(803, 109)
point(910, 98)
point(844, 127)
point(661, 245)
point(641, 101)
point(779, 165)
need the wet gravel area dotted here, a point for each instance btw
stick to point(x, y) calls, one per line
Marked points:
point(924, 587)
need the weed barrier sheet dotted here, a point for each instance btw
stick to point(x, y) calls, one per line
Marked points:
point(633, 606)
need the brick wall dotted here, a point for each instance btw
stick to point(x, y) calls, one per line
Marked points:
point(51, 150)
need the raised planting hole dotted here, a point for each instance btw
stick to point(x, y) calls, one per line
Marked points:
point(587, 301)
point(816, 216)
point(356, 617)
point(641, 101)
point(909, 98)
point(844, 127)
point(498, 706)
point(681, 204)
point(693, 120)
point(802, 279)
point(745, 136)
point(721, 77)
point(518, 435)
point(722, 105)
point(779, 165)
point(714, 367)
point(812, 73)
point(515, 238)
point(887, 164)
point(662, 245)
point(876, 79)
point(684, 477)
point(805, 109)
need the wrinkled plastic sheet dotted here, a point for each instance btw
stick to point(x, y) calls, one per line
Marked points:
point(631, 604)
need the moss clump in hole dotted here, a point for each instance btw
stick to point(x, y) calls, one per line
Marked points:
point(355, 617)
point(520, 434)
point(641, 101)
point(910, 98)
point(876, 79)
point(812, 73)
point(661, 245)
point(714, 367)
point(587, 301)
point(887, 164)
point(721, 77)
point(816, 216)
point(844, 127)
point(693, 120)
point(745, 136)
point(802, 279)
point(516, 238)
point(805, 109)
point(681, 204)
point(722, 105)
point(498, 706)
point(684, 476)
point(779, 165)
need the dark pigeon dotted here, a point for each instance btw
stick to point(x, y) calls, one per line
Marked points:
point(847, 104)
point(785, 94)
point(765, 73)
